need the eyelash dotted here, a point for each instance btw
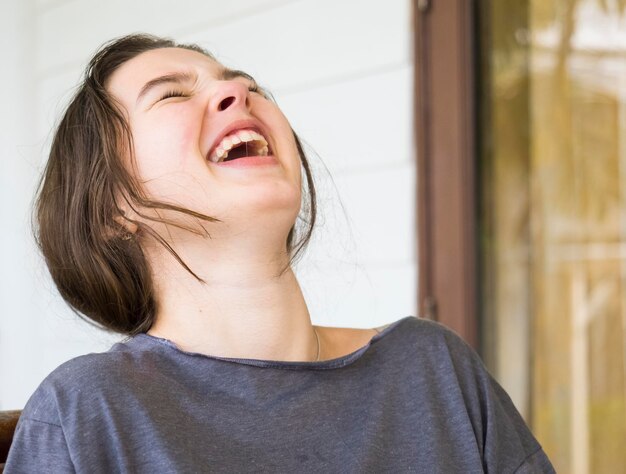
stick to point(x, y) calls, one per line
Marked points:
point(172, 93)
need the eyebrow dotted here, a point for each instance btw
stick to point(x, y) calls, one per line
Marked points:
point(171, 78)
point(183, 77)
point(227, 74)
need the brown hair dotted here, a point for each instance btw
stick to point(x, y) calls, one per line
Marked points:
point(101, 272)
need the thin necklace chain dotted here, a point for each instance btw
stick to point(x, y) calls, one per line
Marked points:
point(318, 345)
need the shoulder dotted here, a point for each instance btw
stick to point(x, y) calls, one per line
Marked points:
point(410, 333)
point(454, 375)
point(427, 328)
point(437, 350)
point(98, 365)
point(80, 379)
point(70, 401)
point(433, 337)
point(427, 356)
point(427, 336)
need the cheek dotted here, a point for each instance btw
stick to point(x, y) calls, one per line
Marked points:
point(162, 150)
point(281, 126)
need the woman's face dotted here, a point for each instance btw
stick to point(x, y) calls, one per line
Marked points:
point(189, 117)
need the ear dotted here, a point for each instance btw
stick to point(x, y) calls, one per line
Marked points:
point(126, 218)
point(127, 223)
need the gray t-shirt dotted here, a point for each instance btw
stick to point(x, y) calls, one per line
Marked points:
point(416, 398)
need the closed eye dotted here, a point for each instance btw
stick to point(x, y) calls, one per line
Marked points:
point(172, 93)
point(256, 89)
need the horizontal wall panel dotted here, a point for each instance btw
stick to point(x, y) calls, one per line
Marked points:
point(309, 41)
point(359, 123)
point(357, 295)
point(366, 217)
point(71, 31)
point(47, 4)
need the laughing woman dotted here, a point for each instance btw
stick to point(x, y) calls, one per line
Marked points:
point(174, 202)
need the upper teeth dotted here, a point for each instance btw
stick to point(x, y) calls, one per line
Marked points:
point(240, 136)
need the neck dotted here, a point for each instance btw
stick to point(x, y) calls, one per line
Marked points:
point(244, 310)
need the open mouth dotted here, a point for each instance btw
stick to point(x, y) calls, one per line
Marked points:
point(240, 144)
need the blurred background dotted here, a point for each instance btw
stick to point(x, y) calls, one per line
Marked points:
point(477, 144)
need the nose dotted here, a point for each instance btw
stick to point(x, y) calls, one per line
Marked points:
point(229, 96)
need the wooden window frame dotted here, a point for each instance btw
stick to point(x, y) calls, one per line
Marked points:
point(445, 122)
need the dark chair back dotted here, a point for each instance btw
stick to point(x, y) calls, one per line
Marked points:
point(8, 421)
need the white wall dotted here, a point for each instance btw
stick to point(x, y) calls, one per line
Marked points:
point(342, 72)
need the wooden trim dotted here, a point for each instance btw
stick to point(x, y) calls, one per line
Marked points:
point(446, 164)
point(8, 422)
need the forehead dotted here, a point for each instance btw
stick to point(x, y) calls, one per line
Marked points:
point(128, 79)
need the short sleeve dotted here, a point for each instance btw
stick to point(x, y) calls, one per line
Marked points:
point(38, 446)
point(507, 445)
point(506, 434)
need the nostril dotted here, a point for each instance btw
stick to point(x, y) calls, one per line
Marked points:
point(225, 103)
